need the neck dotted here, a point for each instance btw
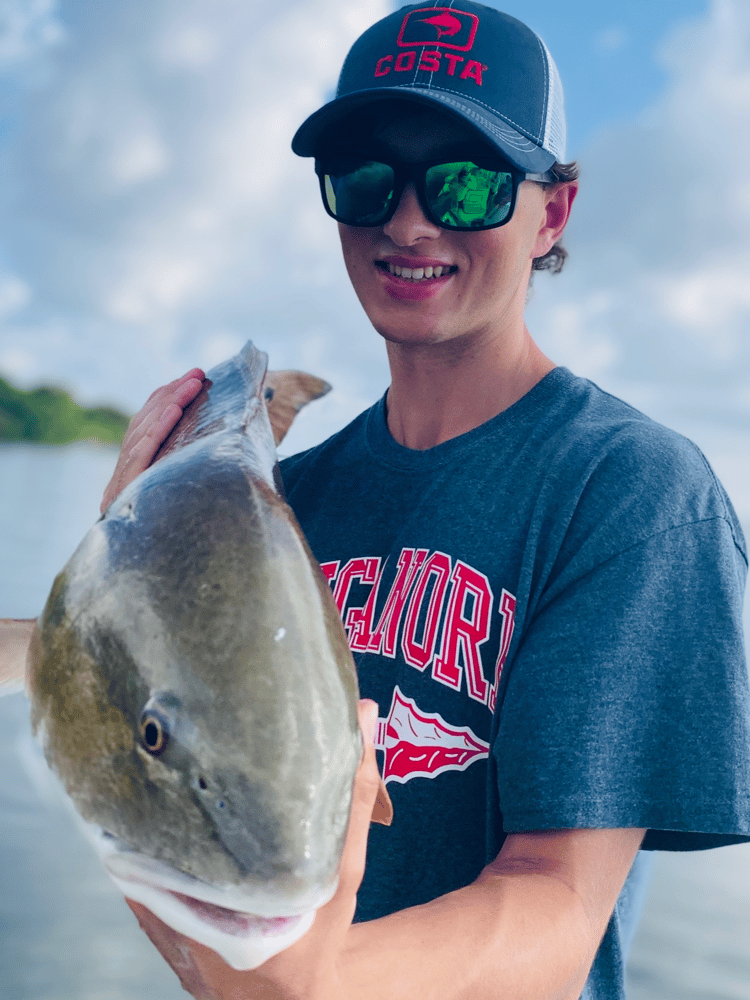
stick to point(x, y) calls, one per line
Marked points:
point(440, 391)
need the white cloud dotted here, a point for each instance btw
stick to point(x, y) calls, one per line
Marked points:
point(28, 30)
point(156, 215)
point(709, 301)
point(137, 156)
point(611, 40)
point(159, 199)
point(659, 237)
point(16, 363)
point(193, 47)
point(160, 286)
point(14, 295)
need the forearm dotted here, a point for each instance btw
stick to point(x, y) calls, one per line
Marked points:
point(519, 937)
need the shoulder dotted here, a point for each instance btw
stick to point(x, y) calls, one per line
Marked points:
point(627, 474)
point(337, 450)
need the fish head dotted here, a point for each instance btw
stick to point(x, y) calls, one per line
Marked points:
point(193, 691)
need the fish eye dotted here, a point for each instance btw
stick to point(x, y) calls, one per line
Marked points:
point(154, 732)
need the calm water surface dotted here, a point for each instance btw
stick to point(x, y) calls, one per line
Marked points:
point(65, 932)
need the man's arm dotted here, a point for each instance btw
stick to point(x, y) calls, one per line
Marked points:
point(528, 928)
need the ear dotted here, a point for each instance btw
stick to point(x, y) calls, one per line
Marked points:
point(558, 202)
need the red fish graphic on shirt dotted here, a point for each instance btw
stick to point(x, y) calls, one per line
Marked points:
point(422, 745)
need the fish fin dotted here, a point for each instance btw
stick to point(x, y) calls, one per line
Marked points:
point(228, 400)
point(382, 811)
point(15, 635)
point(286, 392)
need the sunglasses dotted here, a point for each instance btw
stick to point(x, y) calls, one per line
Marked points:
point(462, 194)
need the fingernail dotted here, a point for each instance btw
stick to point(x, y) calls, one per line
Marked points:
point(372, 722)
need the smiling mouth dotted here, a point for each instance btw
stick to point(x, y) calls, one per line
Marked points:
point(416, 273)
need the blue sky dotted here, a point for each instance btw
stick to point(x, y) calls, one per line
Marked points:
point(154, 218)
point(608, 54)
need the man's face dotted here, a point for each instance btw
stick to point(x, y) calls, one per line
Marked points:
point(482, 289)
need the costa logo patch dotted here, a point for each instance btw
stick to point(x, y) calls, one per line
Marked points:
point(439, 26)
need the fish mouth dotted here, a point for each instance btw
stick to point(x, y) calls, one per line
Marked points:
point(234, 921)
point(244, 940)
point(126, 863)
point(220, 917)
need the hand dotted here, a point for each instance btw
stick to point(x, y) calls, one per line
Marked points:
point(149, 428)
point(309, 969)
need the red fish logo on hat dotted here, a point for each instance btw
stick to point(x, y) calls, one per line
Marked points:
point(446, 24)
point(430, 25)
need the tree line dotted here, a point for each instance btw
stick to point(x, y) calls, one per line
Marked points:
point(49, 415)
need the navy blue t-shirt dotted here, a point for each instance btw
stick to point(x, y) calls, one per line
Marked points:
point(547, 610)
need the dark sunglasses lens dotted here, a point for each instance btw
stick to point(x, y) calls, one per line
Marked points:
point(359, 194)
point(465, 196)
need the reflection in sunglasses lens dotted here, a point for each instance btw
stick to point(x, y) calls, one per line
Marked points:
point(460, 194)
point(361, 196)
point(465, 195)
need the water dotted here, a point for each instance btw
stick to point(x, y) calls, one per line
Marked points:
point(65, 932)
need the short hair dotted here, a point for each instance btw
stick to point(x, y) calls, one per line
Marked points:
point(553, 260)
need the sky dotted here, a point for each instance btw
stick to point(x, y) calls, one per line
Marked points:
point(154, 218)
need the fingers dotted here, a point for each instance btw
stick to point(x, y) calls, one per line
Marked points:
point(149, 428)
point(181, 392)
point(176, 950)
point(366, 786)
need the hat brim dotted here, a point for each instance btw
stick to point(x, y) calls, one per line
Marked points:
point(516, 147)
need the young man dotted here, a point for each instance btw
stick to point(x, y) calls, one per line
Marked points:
point(541, 586)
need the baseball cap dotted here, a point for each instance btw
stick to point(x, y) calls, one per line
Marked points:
point(482, 66)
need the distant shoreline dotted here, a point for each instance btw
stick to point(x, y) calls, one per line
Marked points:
point(48, 415)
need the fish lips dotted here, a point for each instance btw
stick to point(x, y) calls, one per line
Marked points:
point(244, 928)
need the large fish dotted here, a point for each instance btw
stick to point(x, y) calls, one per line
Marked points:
point(191, 683)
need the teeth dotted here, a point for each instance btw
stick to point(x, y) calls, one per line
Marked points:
point(418, 273)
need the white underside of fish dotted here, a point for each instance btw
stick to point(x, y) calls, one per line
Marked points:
point(214, 916)
point(243, 940)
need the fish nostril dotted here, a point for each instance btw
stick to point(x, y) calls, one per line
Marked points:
point(199, 783)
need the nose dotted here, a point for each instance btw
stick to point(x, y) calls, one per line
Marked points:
point(409, 224)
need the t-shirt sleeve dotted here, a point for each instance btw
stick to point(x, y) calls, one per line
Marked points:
point(627, 700)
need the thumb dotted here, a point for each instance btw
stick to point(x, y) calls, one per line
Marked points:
point(366, 784)
point(368, 720)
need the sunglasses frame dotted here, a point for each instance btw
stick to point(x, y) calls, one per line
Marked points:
point(404, 172)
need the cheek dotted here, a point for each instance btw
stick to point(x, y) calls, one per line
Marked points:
point(509, 249)
point(492, 256)
point(356, 246)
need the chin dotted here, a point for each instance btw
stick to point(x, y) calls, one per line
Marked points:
point(405, 332)
point(410, 335)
